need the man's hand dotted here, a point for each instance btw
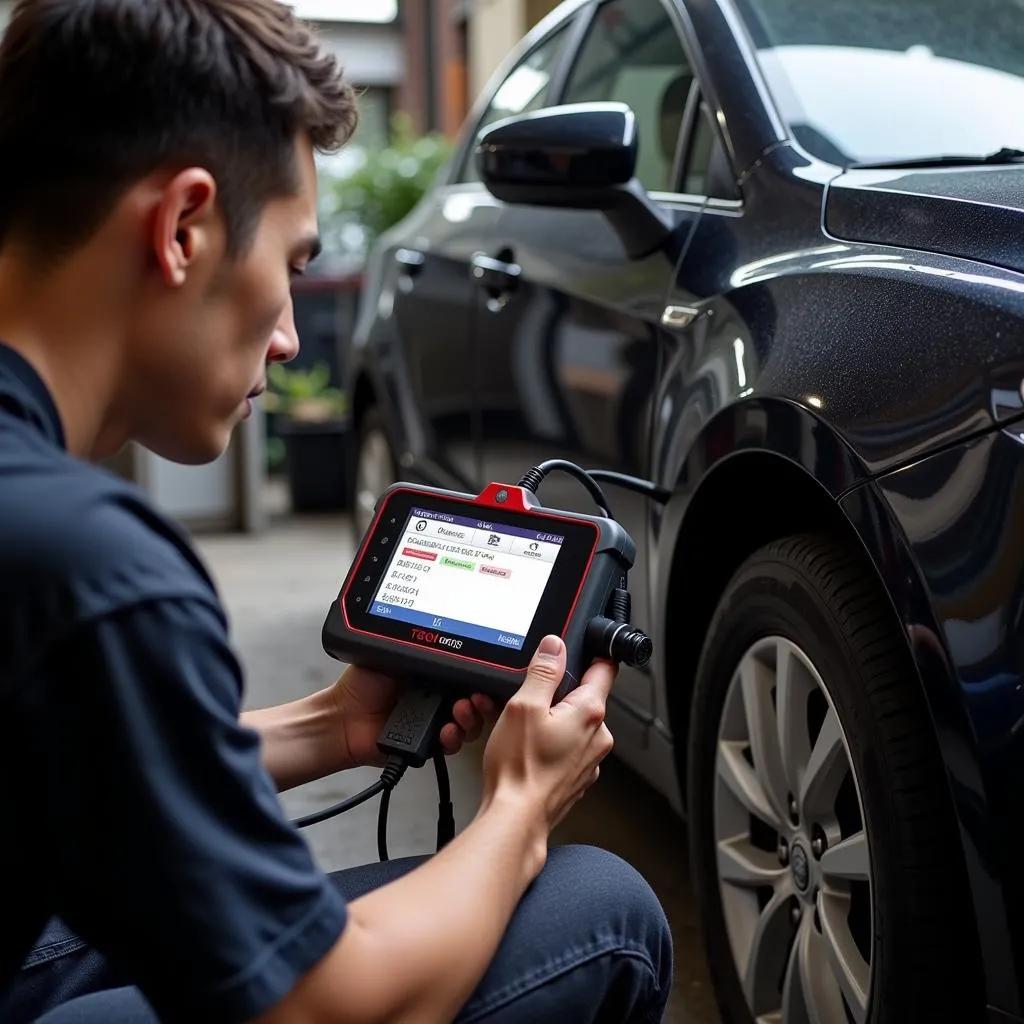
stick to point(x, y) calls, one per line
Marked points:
point(364, 701)
point(548, 757)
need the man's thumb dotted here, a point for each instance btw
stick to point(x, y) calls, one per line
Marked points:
point(547, 668)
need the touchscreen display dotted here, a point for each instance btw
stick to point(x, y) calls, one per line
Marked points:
point(466, 576)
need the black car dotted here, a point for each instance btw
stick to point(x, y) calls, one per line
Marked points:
point(768, 254)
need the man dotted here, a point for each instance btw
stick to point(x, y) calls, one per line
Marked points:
point(157, 192)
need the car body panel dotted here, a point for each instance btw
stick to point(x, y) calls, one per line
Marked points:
point(976, 213)
point(788, 311)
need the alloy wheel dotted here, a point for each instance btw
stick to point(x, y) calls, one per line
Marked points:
point(794, 864)
point(375, 472)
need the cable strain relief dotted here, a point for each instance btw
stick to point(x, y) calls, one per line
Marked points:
point(620, 607)
point(393, 772)
point(531, 480)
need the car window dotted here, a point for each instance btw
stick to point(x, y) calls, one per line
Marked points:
point(867, 81)
point(526, 88)
point(632, 55)
point(698, 154)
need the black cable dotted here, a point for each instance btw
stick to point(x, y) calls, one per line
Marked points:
point(533, 478)
point(632, 483)
point(389, 778)
point(382, 825)
point(340, 808)
point(445, 810)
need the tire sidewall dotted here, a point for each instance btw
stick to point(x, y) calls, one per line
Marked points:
point(772, 598)
point(371, 423)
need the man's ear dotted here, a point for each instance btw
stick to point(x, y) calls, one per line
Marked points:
point(186, 227)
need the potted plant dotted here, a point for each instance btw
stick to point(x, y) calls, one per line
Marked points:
point(312, 421)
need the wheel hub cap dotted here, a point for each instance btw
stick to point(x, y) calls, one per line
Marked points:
point(800, 865)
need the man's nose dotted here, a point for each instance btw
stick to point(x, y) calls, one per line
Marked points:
point(284, 345)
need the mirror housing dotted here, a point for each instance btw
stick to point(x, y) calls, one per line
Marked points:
point(582, 156)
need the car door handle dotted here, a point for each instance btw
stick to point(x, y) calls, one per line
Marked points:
point(676, 318)
point(495, 275)
point(410, 261)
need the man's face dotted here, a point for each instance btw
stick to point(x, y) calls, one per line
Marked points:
point(200, 350)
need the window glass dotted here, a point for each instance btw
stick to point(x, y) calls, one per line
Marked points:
point(868, 81)
point(526, 88)
point(698, 155)
point(632, 55)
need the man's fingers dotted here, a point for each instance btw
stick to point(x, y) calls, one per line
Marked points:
point(485, 706)
point(468, 719)
point(452, 738)
point(546, 671)
point(591, 696)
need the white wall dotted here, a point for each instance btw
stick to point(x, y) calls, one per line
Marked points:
point(494, 29)
point(370, 54)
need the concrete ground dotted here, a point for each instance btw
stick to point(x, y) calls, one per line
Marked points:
point(277, 588)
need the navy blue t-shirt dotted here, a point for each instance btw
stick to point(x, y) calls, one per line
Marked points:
point(132, 803)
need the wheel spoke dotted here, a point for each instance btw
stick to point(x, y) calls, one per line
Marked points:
point(848, 967)
point(794, 1002)
point(822, 1000)
point(763, 730)
point(741, 781)
point(826, 770)
point(848, 860)
point(746, 866)
point(790, 702)
point(769, 948)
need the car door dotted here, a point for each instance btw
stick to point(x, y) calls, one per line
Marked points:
point(434, 294)
point(567, 337)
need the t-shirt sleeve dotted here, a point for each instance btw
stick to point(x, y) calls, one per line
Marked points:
point(164, 839)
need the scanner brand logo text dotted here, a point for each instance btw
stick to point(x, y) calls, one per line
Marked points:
point(425, 636)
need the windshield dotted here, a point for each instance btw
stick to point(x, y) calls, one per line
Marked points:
point(869, 81)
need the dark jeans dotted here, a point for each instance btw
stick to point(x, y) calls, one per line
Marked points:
point(588, 943)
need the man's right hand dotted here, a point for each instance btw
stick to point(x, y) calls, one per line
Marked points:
point(394, 962)
point(548, 757)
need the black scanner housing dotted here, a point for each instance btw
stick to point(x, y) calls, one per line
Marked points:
point(610, 555)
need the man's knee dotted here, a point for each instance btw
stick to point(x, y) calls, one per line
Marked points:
point(608, 897)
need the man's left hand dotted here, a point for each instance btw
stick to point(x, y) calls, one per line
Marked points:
point(365, 700)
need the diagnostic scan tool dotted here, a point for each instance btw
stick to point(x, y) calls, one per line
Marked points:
point(450, 594)
point(454, 592)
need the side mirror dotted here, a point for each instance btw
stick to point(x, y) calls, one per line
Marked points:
point(583, 157)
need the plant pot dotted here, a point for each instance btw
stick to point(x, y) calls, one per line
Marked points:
point(317, 458)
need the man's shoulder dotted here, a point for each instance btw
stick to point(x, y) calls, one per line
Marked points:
point(89, 539)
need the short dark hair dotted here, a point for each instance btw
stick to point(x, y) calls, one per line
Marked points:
point(97, 94)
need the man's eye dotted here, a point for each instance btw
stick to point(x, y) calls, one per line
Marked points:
point(297, 271)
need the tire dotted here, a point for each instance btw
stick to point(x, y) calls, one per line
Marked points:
point(373, 469)
point(807, 605)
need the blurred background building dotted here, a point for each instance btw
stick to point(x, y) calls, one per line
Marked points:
point(419, 66)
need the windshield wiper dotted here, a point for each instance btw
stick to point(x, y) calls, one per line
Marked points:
point(1003, 156)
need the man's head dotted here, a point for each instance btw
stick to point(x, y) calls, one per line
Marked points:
point(171, 141)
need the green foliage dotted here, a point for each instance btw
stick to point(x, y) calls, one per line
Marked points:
point(382, 189)
point(304, 394)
